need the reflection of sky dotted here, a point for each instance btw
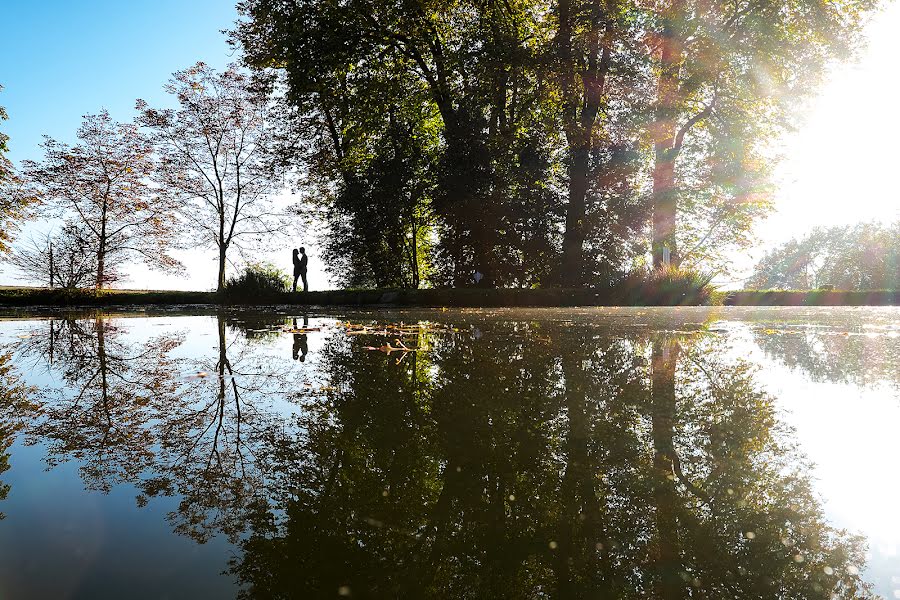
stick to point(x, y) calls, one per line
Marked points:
point(98, 545)
point(848, 431)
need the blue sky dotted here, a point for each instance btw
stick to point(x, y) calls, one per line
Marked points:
point(62, 59)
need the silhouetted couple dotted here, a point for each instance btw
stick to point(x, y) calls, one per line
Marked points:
point(300, 260)
point(300, 349)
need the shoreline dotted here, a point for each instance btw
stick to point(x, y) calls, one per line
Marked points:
point(451, 297)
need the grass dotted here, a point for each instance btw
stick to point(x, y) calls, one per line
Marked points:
point(24, 296)
point(631, 293)
point(812, 298)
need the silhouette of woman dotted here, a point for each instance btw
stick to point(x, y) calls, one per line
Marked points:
point(300, 267)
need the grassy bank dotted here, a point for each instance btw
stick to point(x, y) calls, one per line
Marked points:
point(631, 296)
point(812, 298)
point(21, 296)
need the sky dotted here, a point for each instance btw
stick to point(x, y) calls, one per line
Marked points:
point(60, 60)
point(841, 164)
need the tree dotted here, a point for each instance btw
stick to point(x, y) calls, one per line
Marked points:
point(600, 72)
point(489, 118)
point(594, 463)
point(61, 258)
point(863, 256)
point(14, 203)
point(102, 185)
point(367, 144)
point(15, 404)
point(731, 77)
point(215, 153)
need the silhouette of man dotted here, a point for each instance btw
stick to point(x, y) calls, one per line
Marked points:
point(300, 349)
point(300, 262)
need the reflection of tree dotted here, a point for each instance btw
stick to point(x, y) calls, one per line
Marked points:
point(104, 414)
point(128, 415)
point(519, 461)
point(530, 463)
point(214, 440)
point(858, 357)
point(735, 513)
point(14, 401)
point(335, 488)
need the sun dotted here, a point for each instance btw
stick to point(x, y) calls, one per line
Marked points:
point(840, 166)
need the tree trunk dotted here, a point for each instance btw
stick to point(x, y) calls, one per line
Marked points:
point(664, 195)
point(101, 253)
point(51, 264)
point(221, 285)
point(580, 124)
point(223, 359)
point(665, 207)
point(581, 568)
point(572, 274)
point(100, 328)
point(664, 359)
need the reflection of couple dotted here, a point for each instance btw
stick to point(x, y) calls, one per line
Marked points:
point(300, 348)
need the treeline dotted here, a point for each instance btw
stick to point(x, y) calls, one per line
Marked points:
point(511, 144)
point(199, 176)
point(864, 256)
point(538, 143)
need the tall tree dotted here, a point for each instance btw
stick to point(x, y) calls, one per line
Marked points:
point(485, 101)
point(584, 47)
point(729, 78)
point(102, 183)
point(215, 153)
point(367, 143)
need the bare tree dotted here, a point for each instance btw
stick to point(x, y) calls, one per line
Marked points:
point(62, 259)
point(102, 184)
point(215, 150)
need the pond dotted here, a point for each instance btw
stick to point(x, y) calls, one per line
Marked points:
point(522, 453)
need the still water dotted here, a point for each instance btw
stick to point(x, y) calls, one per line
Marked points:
point(534, 453)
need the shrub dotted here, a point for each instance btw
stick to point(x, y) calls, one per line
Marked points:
point(257, 281)
point(667, 286)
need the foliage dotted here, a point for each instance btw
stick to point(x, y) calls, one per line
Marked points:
point(102, 185)
point(851, 257)
point(823, 355)
point(257, 281)
point(729, 79)
point(374, 183)
point(469, 470)
point(578, 133)
point(666, 286)
point(491, 195)
point(14, 405)
point(215, 159)
point(14, 201)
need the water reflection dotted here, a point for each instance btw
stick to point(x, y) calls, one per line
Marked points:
point(301, 347)
point(517, 459)
point(14, 402)
point(857, 355)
